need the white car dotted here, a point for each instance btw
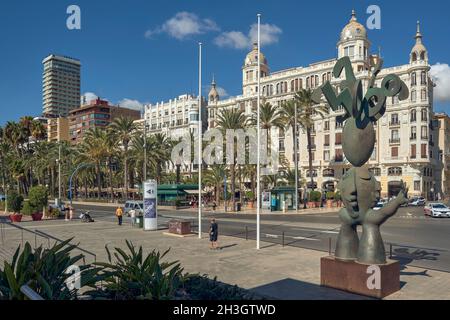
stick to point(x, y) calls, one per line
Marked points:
point(437, 210)
point(379, 205)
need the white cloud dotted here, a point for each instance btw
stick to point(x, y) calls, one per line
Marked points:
point(270, 34)
point(88, 97)
point(232, 39)
point(131, 104)
point(183, 25)
point(440, 74)
point(222, 92)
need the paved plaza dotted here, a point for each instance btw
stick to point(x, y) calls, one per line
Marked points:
point(274, 271)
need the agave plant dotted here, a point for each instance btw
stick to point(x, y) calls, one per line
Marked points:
point(45, 271)
point(133, 276)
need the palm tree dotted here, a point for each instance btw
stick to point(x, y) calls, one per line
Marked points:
point(308, 110)
point(93, 150)
point(214, 177)
point(232, 119)
point(164, 145)
point(124, 130)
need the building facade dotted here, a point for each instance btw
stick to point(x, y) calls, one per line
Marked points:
point(96, 114)
point(444, 151)
point(60, 85)
point(58, 129)
point(406, 137)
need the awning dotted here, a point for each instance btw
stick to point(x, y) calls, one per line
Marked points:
point(194, 192)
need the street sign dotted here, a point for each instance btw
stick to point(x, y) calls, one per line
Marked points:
point(150, 205)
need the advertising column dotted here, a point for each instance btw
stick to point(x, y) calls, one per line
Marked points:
point(150, 203)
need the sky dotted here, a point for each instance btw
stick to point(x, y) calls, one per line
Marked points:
point(134, 52)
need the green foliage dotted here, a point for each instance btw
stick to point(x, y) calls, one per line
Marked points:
point(38, 198)
point(27, 209)
point(15, 201)
point(54, 212)
point(135, 276)
point(250, 195)
point(315, 196)
point(196, 287)
point(330, 195)
point(2, 205)
point(44, 271)
point(337, 196)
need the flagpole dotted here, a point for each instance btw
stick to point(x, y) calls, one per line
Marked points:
point(258, 164)
point(200, 129)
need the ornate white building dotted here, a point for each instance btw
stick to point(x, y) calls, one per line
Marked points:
point(406, 148)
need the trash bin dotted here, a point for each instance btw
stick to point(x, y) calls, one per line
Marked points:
point(138, 222)
point(238, 206)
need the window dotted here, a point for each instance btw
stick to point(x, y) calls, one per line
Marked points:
point(326, 142)
point(413, 79)
point(394, 152)
point(413, 151)
point(423, 78)
point(423, 95)
point(395, 171)
point(424, 114)
point(326, 125)
point(338, 138)
point(375, 171)
point(326, 155)
point(281, 145)
point(338, 155)
point(413, 133)
point(423, 151)
point(395, 137)
point(394, 119)
point(413, 117)
point(339, 124)
point(416, 185)
point(424, 132)
point(413, 96)
point(329, 173)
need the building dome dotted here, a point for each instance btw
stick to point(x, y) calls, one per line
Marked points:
point(418, 49)
point(353, 30)
point(213, 95)
point(252, 56)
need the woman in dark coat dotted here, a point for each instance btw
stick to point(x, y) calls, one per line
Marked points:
point(213, 234)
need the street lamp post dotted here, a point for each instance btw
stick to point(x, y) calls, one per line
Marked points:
point(258, 164)
point(200, 140)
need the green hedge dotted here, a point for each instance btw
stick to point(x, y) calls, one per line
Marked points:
point(315, 196)
point(15, 201)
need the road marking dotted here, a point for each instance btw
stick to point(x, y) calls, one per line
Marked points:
point(271, 236)
point(303, 238)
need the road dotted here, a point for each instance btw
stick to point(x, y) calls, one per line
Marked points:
point(417, 240)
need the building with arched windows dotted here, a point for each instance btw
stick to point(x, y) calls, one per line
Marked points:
point(406, 137)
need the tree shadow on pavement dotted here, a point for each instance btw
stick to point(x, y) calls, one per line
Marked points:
point(291, 289)
point(406, 256)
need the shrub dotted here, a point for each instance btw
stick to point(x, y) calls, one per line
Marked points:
point(38, 197)
point(54, 212)
point(337, 196)
point(330, 195)
point(2, 205)
point(15, 201)
point(44, 270)
point(250, 195)
point(135, 276)
point(27, 209)
point(315, 196)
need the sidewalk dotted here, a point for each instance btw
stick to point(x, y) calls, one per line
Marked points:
point(274, 271)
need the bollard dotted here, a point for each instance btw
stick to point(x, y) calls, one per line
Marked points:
point(283, 239)
point(246, 233)
point(329, 246)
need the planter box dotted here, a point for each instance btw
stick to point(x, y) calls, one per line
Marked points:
point(37, 216)
point(179, 227)
point(15, 217)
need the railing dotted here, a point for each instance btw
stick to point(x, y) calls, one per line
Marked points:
point(394, 141)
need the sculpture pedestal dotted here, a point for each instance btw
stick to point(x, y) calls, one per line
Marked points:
point(360, 278)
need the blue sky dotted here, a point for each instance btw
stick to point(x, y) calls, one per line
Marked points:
point(147, 50)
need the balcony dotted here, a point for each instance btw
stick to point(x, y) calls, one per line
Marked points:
point(413, 138)
point(394, 141)
point(424, 138)
point(394, 123)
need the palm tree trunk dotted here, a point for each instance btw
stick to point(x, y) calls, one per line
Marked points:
point(99, 187)
point(308, 134)
point(233, 178)
point(125, 176)
point(111, 181)
point(294, 131)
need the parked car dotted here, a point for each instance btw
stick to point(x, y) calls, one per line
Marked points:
point(379, 205)
point(137, 206)
point(437, 210)
point(417, 202)
point(2, 197)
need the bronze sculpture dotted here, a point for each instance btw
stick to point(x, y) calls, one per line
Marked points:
point(359, 188)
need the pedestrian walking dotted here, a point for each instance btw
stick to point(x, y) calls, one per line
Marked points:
point(66, 212)
point(213, 234)
point(71, 213)
point(214, 205)
point(119, 215)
